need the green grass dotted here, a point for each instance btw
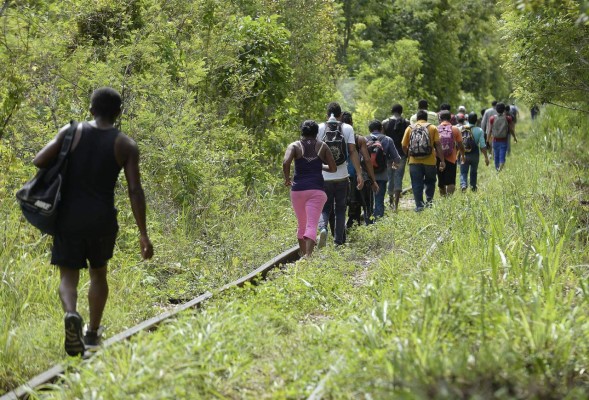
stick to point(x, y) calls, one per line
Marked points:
point(496, 308)
point(191, 257)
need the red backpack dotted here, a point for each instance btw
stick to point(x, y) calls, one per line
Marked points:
point(378, 157)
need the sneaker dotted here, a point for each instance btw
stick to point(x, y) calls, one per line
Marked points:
point(322, 238)
point(93, 339)
point(74, 345)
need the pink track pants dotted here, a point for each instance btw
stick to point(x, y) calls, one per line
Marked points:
point(307, 205)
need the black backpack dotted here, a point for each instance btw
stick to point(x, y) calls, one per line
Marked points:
point(395, 127)
point(40, 196)
point(334, 139)
point(378, 158)
point(467, 138)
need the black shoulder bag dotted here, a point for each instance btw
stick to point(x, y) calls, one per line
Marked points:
point(40, 196)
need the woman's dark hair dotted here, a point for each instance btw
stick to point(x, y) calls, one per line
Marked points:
point(472, 118)
point(106, 102)
point(375, 126)
point(347, 118)
point(309, 129)
point(445, 115)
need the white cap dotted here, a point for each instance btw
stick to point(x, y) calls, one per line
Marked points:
point(461, 108)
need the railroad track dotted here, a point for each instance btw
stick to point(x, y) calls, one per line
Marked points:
point(52, 374)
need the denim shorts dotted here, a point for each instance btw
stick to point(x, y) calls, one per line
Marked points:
point(396, 176)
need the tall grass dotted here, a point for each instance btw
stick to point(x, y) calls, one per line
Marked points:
point(191, 257)
point(483, 296)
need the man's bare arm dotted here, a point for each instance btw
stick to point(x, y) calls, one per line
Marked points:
point(130, 153)
point(49, 153)
point(288, 157)
point(356, 162)
point(439, 150)
point(368, 165)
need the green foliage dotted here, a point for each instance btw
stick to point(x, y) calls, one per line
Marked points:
point(212, 91)
point(492, 304)
point(260, 76)
point(397, 74)
point(459, 53)
point(548, 54)
point(210, 179)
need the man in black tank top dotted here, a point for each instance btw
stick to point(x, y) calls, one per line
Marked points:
point(87, 220)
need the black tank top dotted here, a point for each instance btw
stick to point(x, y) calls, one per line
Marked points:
point(87, 206)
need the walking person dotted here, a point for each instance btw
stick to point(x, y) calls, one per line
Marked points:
point(360, 202)
point(485, 120)
point(311, 157)
point(419, 143)
point(87, 219)
point(450, 139)
point(513, 112)
point(339, 137)
point(384, 156)
point(432, 117)
point(448, 107)
point(474, 144)
point(500, 127)
point(394, 127)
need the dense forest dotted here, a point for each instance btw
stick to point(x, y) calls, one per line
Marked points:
point(245, 73)
point(213, 91)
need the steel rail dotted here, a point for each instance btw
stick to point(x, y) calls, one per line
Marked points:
point(52, 374)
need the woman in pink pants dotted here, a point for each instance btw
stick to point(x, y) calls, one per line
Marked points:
point(307, 195)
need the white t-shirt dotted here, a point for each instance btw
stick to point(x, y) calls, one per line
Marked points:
point(342, 170)
point(432, 118)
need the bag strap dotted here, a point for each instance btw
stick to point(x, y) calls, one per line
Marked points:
point(67, 143)
point(377, 137)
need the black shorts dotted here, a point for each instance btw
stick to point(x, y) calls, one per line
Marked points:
point(71, 251)
point(448, 175)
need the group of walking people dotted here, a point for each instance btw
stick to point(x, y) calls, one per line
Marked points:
point(337, 170)
point(334, 167)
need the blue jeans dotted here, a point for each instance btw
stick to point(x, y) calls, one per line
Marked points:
point(472, 163)
point(396, 176)
point(379, 199)
point(499, 152)
point(422, 176)
point(337, 194)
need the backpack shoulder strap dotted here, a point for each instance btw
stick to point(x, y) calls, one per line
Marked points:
point(67, 142)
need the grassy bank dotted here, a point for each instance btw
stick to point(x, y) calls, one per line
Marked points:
point(194, 252)
point(483, 296)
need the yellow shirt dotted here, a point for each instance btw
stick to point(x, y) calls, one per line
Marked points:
point(434, 137)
